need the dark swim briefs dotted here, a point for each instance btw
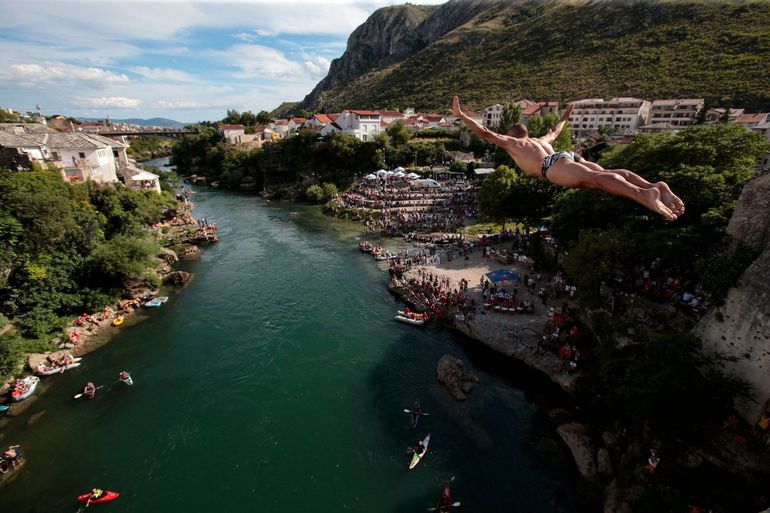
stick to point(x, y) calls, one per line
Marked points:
point(554, 157)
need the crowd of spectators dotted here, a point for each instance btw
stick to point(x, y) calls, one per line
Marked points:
point(434, 293)
point(405, 207)
point(663, 284)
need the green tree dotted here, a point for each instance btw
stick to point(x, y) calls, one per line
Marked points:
point(314, 193)
point(398, 133)
point(7, 117)
point(264, 117)
point(125, 257)
point(329, 190)
point(493, 198)
point(511, 115)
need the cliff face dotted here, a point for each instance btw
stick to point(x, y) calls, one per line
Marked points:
point(741, 328)
point(390, 35)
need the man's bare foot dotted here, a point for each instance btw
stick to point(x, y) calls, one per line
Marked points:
point(652, 200)
point(671, 200)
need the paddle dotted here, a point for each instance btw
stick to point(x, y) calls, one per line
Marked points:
point(406, 410)
point(78, 396)
point(454, 505)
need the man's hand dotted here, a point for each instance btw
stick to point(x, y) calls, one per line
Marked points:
point(456, 107)
point(567, 112)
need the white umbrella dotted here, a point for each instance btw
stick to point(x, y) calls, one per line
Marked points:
point(399, 174)
point(399, 168)
point(370, 177)
point(381, 172)
point(413, 175)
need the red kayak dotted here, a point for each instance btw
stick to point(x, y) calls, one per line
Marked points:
point(107, 496)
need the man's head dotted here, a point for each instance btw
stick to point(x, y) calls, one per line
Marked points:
point(518, 130)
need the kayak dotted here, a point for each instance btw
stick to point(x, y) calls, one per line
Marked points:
point(445, 501)
point(417, 457)
point(153, 303)
point(128, 380)
point(107, 496)
point(416, 414)
point(119, 320)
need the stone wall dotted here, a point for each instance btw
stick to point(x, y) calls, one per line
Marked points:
point(741, 328)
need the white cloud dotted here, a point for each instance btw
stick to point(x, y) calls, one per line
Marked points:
point(178, 105)
point(316, 66)
point(245, 36)
point(108, 101)
point(255, 61)
point(51, 73)
point(162, 73)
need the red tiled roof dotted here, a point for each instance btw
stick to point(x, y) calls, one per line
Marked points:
point(433, 117)
point(323, 118)
point(299, 120)
point(531, 110)
point(752, 118)
point(365, 112)
point(334, 116)
point(231, 127)
point(281, 122)
point(391, 113)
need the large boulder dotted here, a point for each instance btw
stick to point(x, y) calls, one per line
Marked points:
point(576, 437)
point(452, 374)
point(177, 278)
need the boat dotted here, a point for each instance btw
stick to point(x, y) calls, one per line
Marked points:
point(43, 370)
point(162, 299)
point(107, 496)
point(24, 387)
point(153, 303)
point(409, 320)
point(366, 247)
point(417, 457)
point(118, 320)
point(444, 504)
point(416, 411)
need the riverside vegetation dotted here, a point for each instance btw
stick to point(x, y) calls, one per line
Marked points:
point(66, 249)
point(665, 390)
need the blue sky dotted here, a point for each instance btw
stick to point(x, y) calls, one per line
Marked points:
point(183, 60)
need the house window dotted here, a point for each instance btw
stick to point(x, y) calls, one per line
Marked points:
point(81, 155)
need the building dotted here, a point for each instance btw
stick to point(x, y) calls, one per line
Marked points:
point(716, 115)
point(81, 157)
point(281, 127)
point(493, 114)
point(362, 124)
point(530, 108)
point(231, 132)
point(618, 115)
point(751, 120)
point(680, 114)
point(389, 116)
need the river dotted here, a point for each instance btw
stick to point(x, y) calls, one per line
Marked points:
point(275, 382)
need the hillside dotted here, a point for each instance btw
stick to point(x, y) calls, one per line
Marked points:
point(494, 51)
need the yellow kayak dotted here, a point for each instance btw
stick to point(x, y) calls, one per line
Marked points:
point(119, 320)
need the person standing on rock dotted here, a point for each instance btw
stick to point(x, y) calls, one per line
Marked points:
point(536, 157)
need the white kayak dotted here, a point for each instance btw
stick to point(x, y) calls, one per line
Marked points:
point(417, 457)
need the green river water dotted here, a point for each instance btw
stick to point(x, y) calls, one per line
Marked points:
point(275, 383)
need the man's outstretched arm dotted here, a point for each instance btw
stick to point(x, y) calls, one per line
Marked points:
point(482, 131)
point(556, 130)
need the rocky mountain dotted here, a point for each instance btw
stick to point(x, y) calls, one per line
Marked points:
point(495, 50)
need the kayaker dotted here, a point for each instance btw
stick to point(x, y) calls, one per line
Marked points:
point(123, 376)
point(95, 494)
point(11, 455)
point(416, 409)
point(445, 501)
point(90, 390)
point(419, 448)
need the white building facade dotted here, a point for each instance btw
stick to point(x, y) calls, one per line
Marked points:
point(362, 124)
point(619, 115)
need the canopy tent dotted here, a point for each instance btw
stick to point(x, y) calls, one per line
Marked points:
point(144, 175)
point(502, 275)
point(381, 172)
point(413, 176)
point(400, 169)
point(399, 174)
point(370, 177)
point(426, 183)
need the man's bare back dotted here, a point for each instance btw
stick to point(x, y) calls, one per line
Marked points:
point(536, 157)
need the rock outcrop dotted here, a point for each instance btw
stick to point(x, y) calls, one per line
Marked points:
point(741, 328)
point(580, 445)
point(452, 374)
